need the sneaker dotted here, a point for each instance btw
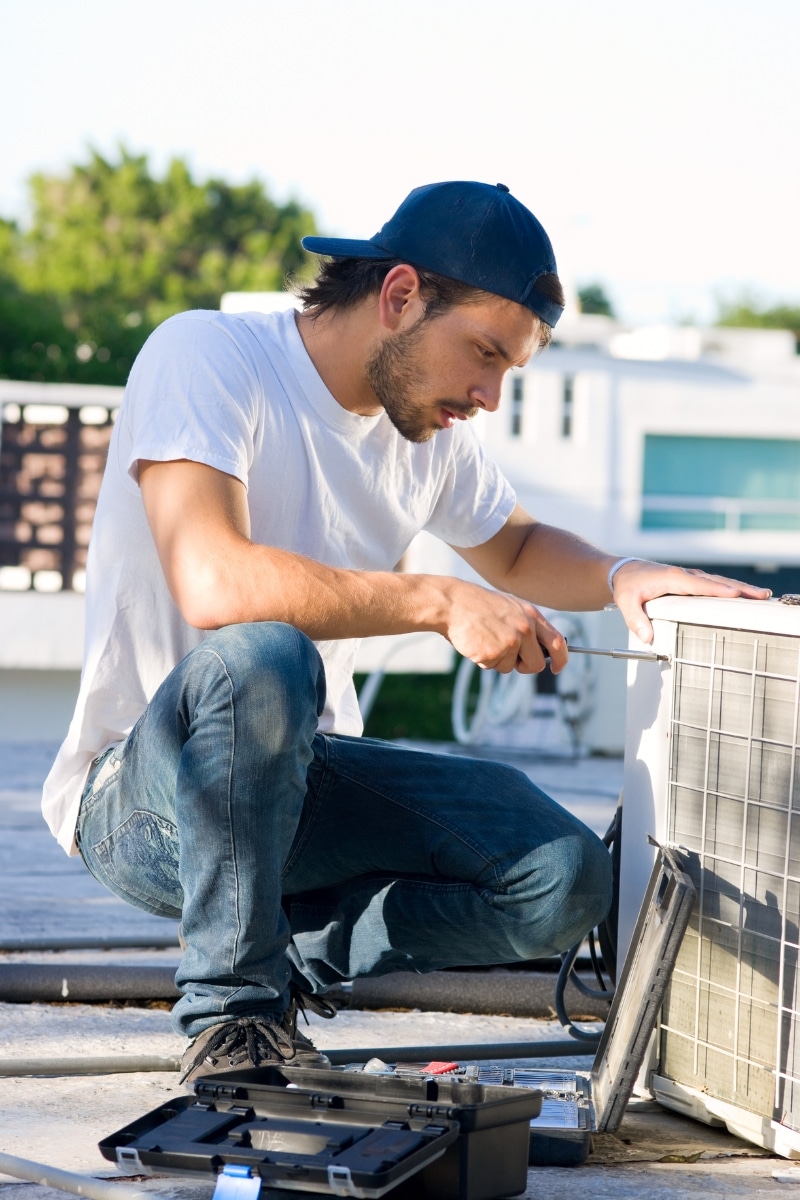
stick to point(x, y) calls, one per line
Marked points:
point(243, 1042)
point(255, 1042)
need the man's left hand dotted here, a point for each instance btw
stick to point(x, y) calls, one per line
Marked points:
point(640, 581)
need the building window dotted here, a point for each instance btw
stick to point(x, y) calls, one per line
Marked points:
point(721, 483)
point(517, 402)
point(567, 403)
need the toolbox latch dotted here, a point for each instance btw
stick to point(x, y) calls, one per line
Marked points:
point(128, 1160)
point(237, 1182)
point(340, 1181)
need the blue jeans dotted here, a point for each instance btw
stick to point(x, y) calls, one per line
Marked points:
point(296, 857)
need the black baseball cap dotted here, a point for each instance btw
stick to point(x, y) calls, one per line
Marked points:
point(477, 233)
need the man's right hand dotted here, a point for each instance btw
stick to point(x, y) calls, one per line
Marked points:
point(502, 632)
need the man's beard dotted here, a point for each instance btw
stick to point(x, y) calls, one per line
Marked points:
point(395, 376)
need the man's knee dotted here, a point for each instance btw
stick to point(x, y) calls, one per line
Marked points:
point(582, 888)
point(590, 888)
point(265, 677)
point(271, 657)
point(569, 892)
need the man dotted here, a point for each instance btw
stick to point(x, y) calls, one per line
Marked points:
point(265, 475)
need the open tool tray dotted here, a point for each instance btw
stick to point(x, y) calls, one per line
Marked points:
point(333, 1133)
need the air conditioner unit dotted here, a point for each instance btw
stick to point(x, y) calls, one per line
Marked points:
point(712, 764)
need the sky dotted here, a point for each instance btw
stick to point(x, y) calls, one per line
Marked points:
point(658, 144)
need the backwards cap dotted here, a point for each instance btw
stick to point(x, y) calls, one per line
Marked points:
point(473, 232)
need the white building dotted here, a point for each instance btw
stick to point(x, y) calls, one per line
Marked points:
point(681, 445)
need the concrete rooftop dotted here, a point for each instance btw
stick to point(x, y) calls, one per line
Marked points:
point(59, 1119)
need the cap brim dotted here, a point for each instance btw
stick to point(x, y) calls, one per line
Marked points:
point(343, 248)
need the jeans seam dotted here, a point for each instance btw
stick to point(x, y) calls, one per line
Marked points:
point(229, 803)
point(232, 844)
point(308, 825)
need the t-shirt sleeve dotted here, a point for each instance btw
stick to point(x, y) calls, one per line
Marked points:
point(475, 500)
point(192, 394)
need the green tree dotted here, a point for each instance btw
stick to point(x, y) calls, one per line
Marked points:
point(34, 343)
point(593, 299)
point(747, 312)
point(114, 251)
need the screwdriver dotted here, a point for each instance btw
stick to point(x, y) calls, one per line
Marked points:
point(641, 655)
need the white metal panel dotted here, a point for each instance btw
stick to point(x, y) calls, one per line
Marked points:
point(760, 616)
point(645, 773)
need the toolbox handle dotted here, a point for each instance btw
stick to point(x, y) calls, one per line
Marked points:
point(236, 1181)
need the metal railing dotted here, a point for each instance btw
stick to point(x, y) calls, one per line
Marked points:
point(735, 511)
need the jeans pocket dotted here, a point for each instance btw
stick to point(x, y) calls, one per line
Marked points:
point(138, 861)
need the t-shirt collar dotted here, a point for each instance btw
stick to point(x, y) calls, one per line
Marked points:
point(324, 403)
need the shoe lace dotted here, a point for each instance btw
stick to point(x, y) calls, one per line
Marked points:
point(247, 1039)
point(303, 1002)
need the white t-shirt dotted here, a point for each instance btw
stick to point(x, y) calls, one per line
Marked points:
point(239, 393)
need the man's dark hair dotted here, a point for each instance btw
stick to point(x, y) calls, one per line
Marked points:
point(345, 282)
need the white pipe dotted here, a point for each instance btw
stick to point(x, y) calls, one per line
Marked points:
point(68, 1181)
point(372, 684)
point(369, 693)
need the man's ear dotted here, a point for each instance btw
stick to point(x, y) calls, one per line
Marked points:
point(400, 304)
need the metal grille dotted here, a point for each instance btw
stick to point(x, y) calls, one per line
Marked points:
point(730, 1021)
point(51, 468)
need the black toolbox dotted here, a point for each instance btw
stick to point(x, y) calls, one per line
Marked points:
point(291, 1132)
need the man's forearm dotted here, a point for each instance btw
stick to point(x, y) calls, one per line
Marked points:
point(559, 570)
point(262, 583)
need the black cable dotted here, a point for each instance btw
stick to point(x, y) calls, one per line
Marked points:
point(607, 930)
point(598, 970)
point(606, 936)
point(582, 1035)
point(594, 993)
